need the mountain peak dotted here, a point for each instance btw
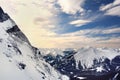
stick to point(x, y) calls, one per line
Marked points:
point(1, 11)
point(3, 16)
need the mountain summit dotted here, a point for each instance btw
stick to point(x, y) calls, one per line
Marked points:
point(3, 16)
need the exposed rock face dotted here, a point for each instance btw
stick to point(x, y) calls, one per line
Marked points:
point(3, 16)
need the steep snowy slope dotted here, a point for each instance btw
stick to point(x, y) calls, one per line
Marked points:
point(17, 56)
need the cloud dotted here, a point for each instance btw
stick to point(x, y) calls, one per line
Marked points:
point(85, 38)
point(115, 11)
point(102, 31)
point(110, 5)
point(71, 7)
point(112, 43)
point(90, 32)
point(37, 19)
point(111, 31)
point(65, 42)
point(75, 41)
point(78, 23)
point(112, 8)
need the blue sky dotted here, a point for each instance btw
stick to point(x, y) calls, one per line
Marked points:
point(91, 12)
point(67, 23)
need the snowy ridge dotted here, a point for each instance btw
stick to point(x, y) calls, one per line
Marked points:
point(17, 56)
point(54, 51)
point(87, 55)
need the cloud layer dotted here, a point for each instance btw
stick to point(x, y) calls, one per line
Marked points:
point(41, 19)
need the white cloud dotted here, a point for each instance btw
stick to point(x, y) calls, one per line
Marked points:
point(71, 6)
point(91, 32)
point(110, 31)
point(105, 7)
point(78, 23)
point(115, 11)
point(112, 8)
point(102, 31)
point(110, 5)
point(80, 39)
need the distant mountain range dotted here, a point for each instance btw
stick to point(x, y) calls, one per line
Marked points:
point(85, 63)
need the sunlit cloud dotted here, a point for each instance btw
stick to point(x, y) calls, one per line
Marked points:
point(71, 7)
point(78, 23)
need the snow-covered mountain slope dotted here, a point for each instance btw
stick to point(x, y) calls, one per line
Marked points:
point(17, 56)
point(88, 63)
point(86, 56)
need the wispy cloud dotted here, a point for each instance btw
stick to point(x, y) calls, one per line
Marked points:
point(96, 31)
point(112, 8)
point(78, 23)
point(115, 11)
point(85, 38)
